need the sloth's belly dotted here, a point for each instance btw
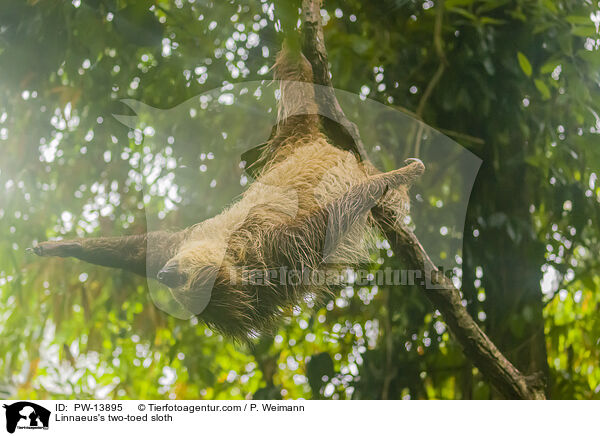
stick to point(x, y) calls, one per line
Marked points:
point(309, 178)
point(314, 175)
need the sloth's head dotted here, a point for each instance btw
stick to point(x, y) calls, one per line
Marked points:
point(193, 273)
point(207, 283)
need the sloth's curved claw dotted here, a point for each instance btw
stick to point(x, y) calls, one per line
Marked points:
point(414, 169)
point(413, 159)
point(416, 162)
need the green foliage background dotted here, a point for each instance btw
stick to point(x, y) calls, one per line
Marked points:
point(519, 87)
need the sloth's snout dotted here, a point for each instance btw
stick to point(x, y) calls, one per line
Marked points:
point(169, 275)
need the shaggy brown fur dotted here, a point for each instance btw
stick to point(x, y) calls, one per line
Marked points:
point(308, 209)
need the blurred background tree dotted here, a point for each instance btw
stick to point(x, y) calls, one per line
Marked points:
point(516, 82)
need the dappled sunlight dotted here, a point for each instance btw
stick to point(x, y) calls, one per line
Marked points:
point(121, 118)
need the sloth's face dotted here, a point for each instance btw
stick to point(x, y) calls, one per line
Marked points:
point(192, 274)
point(194, 260)
point(171, 275)
point(193, 289)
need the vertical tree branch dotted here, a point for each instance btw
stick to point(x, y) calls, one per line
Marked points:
point(438, 44)
point(313, 47)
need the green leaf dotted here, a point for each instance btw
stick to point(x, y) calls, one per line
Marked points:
point(541, 27)
point(490, 20)
point(589, 57)
point(579, 19)
point(544, 90)
point(491, 5)
point(583, 30)
point(268, 393)
point(549, 4)
point(549, 66)
point(524, 63)
point(453, 3)
point(464, 13)
point(319, 366)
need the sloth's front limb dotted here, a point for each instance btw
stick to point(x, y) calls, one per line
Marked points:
point(143, 254)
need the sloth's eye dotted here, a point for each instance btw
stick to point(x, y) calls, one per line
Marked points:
point(171, 276)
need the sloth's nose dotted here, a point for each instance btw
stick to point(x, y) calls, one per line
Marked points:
point(170, 275)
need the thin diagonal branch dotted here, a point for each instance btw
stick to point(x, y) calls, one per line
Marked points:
point(440, 290)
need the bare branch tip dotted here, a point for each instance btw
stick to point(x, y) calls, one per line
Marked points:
point(37, 250)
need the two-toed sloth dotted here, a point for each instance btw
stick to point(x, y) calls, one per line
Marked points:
point(309, 208)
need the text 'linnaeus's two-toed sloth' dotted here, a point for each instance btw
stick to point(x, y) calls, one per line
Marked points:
point(309, 209)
